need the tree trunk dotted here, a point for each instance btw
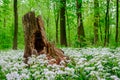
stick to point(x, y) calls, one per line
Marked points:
point(57, 21)
point(15, 25)
point(63, 39)
point(36, 42)
point(117, 21)
point(68, 29)
point(101, 33)
point(106, 40)
point(80, 31)
point(96, 20)
point(56, 15)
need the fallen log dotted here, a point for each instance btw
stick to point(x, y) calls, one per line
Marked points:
point(36, 42)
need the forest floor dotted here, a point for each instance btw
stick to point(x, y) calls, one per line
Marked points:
point(84, 64)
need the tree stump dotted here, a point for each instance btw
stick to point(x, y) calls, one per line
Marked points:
point(36, 42)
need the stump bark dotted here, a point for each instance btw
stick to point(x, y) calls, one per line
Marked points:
point(36, 42)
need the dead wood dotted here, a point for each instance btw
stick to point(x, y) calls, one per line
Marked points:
point(36, 42)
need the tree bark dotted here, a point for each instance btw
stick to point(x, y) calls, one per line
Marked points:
point(117, 20)
point(80, 31)
point(57, 21)
point(96, 20)
point(101, 33)
point(106, 40)
point(56, 15)
point(15, 25)
point(63, 39)
point(36, 42)
point(68, 29)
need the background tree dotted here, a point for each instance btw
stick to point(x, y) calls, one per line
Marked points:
point(56, 16)
point(15, 25)
point(68, 25)
point(63, 39)
point(117, 20)
point(106, 40)
point(57, 21)
point(80, 28)
point(96, 20)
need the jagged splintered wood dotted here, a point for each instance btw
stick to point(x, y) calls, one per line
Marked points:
point(36, 42)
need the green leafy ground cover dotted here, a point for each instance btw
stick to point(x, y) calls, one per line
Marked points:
point(84, 64)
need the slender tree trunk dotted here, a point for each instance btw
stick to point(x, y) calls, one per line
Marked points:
point(80, 31)
point(106, 40)
point(117, 20)
point(56, 15)
point(68, 29)
point(108, 24)
point(96, 20)
point(63, 39)
point(57, 21)
point(100, 32)
point(15, 25)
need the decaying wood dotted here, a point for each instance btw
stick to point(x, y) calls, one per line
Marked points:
point(36, 42)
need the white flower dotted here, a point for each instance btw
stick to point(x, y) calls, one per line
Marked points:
point(62, 62)
point(31, 60)
point(36, 73)
point(100, 67)
point(13, 76)
point(42, 56)
point(50, 75)
point(114, 77)
point(115, 68)
point(94, 73)
point(46, 70)
point(89, 68)
point(24, 76)
point(81, 61)
point(60, 72)
point(34, 66)
point(69, 70)
point(25, 71)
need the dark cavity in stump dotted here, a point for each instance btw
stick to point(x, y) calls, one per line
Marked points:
point(39, 44)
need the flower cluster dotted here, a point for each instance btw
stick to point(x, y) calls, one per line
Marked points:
point(83, 64)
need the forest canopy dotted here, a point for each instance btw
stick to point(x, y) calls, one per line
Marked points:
point(72, 23)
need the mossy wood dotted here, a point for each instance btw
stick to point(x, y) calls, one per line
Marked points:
point(36, 42)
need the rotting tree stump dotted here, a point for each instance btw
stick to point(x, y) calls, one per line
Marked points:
point(36, 42)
